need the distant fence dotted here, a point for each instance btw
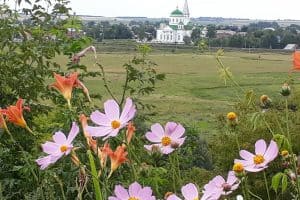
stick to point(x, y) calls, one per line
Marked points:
point(126, 46)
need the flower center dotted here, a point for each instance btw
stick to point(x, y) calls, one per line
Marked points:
point(238, 167)
point(258, 159)
point(197, 198)
point(133, 198)
point(115, 124)
point(226, 186)
point(63, 148)
point(165, 141)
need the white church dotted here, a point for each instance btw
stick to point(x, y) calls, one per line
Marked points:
point(179, 26)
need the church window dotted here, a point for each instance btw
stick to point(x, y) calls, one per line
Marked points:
point(167, 37)
point(160, 37)
point(171, 38)
point(178, 37)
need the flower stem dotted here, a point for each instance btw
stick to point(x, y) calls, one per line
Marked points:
point(29, 130)
point(94, 176)
point(267, 187)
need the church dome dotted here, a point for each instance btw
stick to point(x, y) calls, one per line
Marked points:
point(177, 12)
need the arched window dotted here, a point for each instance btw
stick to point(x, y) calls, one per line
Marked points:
point(179, 37)
point(161, 37)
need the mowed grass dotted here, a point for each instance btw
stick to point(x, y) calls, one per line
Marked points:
point(193, 93)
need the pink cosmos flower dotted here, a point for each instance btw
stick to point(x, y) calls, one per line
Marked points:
point(263, 156)
point(61, 146)
point(134, 192)
point(218, 187)
point(189, 192)
point(165, 140)
point(111, 122)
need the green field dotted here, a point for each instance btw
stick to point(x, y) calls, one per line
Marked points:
point(193, 93)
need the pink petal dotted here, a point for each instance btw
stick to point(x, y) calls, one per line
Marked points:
point(153, 137)
point(235, 186)
point(173, 197)
point(231, 178)
point(73, 133)
point(178, 132)
point(218, 180)
point(145, 193)
point(244, 162)
point(148, 147)
point(59, 138)
point(99, 131)
point(272, 151)
point(260, 147)
point(44, 162)
point(166, 150)
point(121, 192)
point(128, 111)
point(253, 168)
point(113, 133)
point(112, 110)
point(50, 147)
point(179, 141)
point(190, 191)
point(246, 155)
point(158, 130)
point(134, 189)
point(170, 127)
point(100, 118)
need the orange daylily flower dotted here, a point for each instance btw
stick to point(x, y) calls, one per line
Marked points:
point(65, 85)
point(117, 158)
point(14, 114)
point(90, 141)
point(130, 132)
point(103, 153)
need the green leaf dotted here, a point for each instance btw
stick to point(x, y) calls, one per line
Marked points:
point(284, 183)
point(276, 180)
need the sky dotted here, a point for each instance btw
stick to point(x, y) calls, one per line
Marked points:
point(252, 9)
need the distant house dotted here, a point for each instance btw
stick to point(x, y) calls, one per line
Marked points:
point(291, 47)
point(224, 33)
point(179, 26)
point(74, 33)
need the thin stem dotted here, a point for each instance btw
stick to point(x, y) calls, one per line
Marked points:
point(268, 126)
point(266, 184)
point(29, 130)
point(61, 186)
point(125, 86)
point(105, 83)
point(287, 122)
point(228, 75)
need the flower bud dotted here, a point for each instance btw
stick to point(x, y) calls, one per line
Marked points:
point(285, 90)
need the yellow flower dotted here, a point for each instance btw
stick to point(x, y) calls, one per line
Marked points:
point(238, 167)
point(231, 116)
point(284, 153)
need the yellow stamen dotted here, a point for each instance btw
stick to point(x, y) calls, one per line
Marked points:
point(133, 198)
point(63, 148)
point(115, 124)
point(165, 141)
point(258, 159)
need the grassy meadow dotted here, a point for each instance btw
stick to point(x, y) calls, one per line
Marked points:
point(193, 92)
